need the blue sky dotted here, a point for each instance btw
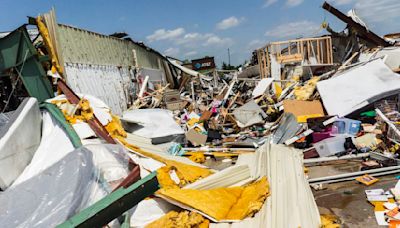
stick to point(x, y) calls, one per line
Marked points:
point(193, 29)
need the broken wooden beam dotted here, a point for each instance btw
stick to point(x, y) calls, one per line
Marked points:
point(363, 32)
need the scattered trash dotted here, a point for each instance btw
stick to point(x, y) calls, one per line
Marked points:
point(367, 179)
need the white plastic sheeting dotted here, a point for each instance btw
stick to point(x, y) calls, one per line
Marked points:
point(149, 210)
point(358, 87)
point(55, 145)
point(111, 84)
point(155, 122)
point(51, 197)
point(391, 56)
point(19, 139)
point(77, 180)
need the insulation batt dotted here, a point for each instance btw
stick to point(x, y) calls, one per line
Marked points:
point(234, 203)
point(183, 219)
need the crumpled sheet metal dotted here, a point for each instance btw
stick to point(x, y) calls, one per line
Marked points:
point(249, 114)
point(288, 127)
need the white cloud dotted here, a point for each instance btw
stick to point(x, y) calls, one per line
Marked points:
point(381, 16)
point(269, 2)
point(191, 53)
point(255, 44)
point(293, 29)
point(190, 40)
point(340, 2)
point(179, 44)
point(289, 3)
point(373, 10)
point(292, 3)
point(215, 40)
point(229, 23)
point(163, 34)
point(171, 51)
point(379, 11)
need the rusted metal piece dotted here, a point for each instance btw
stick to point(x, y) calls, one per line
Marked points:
point(94, 123)
point(132, 177)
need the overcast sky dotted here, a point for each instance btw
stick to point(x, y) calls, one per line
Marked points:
point(192, 29)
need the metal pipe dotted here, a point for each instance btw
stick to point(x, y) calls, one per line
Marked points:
point(354, 174)
point(326, 159)
point(218, 149)
point(352, 178)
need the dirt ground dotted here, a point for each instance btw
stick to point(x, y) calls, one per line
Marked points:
point(347, 200)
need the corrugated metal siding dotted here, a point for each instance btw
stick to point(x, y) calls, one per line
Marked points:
point(81, 46)
point(146, 59)
point(111, 84)
point(100, 65)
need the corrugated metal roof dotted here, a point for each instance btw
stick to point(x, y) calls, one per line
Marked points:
point(33, 32)
point(82, 46)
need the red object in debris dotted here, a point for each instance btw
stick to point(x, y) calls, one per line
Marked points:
point(94, 123)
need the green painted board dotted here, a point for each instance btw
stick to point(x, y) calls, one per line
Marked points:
point(17, 53)
point(114, 205)
point(58, 115)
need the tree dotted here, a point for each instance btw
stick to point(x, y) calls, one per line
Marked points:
point(228, 66)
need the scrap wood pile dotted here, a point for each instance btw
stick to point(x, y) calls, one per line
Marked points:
point(227, 149)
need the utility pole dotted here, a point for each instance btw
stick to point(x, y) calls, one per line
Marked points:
point(229, 58)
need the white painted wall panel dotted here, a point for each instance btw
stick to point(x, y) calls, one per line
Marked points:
point(109, 83)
